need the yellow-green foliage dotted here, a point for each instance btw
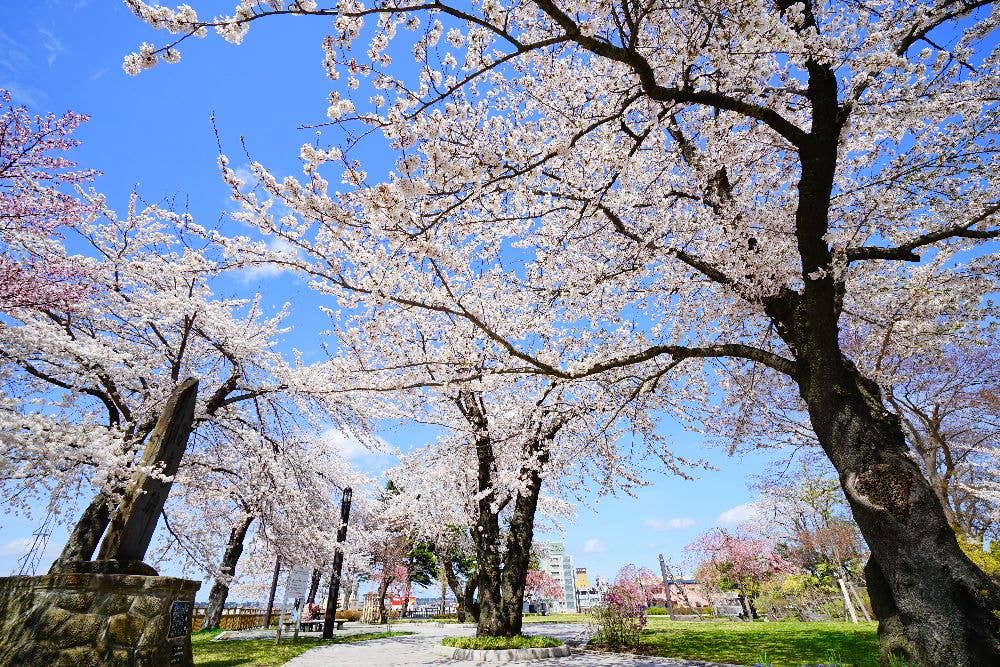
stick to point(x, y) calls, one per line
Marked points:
point(988, 561)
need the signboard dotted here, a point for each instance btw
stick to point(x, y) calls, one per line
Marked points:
point(297, 583)
point(180, 619)
point(296, 589)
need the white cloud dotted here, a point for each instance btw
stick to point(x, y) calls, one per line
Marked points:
point(676, 523)
point(16, 547)
point(52, 44)
point(260, 271)
point(594, 546)
point(739, 514)
point(352, 448)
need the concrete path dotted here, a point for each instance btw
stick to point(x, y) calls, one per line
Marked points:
point(418, 649)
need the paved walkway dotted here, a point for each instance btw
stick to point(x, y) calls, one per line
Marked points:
point(418, 649)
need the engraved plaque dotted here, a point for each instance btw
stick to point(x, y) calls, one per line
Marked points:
point(180, 619)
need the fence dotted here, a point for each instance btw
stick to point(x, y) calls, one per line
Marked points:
point(234, 618)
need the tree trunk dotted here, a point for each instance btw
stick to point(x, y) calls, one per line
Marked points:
point(383, 614)
point(466, 605)
point(933, 604)
point(492, 620)
point(220, 588)
point(313, 586)
point(521, 533)
point(274, 589)
point(502, 574)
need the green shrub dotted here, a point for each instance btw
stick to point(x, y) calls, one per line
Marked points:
point(657, 611)
point(487, 643)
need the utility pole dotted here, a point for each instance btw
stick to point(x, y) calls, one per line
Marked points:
point(338, 564)
point(666, 588)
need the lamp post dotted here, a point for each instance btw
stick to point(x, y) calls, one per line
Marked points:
point(338, 564)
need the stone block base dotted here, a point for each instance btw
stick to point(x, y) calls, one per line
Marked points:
point(84, 620)
point(502, 655)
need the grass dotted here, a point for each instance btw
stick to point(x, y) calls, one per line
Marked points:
point(556, 618)
point(785, 643)
point(500, 643)
point(263, 652)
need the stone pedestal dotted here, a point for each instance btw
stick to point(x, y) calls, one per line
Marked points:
point(84, 620)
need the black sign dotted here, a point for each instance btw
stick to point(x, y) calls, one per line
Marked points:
point(177, 653)
point(180, 619)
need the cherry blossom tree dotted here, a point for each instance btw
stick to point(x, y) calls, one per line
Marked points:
point(485, 477)
point(540, 585)
point(283, 489)
point(637, 583)
point(943, 404)
point(738, 561)
point(621, 189)
point(35, 206)
point(83, 388)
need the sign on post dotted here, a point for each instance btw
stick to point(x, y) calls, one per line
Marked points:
point(296, 588)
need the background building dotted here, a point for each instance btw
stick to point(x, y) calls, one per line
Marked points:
point(560, 566)
point(588, 595)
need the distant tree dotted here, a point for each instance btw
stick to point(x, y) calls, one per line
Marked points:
point(421, 568)
point(738, 561)
point(539, 586)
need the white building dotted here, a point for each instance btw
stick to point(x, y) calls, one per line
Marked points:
point(560, 567)
point(588, 595)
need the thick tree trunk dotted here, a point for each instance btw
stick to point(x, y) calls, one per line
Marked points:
point(934, 606)
point(492, 620)
point(220, 588)
point(501, 587)
point(501, 574)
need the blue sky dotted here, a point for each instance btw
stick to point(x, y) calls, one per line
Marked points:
point(153, 132)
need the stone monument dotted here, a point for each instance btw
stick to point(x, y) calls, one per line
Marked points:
point(114, 610)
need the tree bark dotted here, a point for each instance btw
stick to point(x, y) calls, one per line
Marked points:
point(220, 588)
point(502, 563)
point(383, 614)
point(934, 606)
point(274, 589)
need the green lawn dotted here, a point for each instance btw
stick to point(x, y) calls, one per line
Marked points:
point(784, 643)
point(263, 652)
point(556, 618)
